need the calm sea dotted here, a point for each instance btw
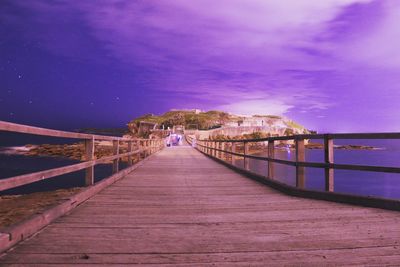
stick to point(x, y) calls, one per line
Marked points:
point(12, 164)
point(365, 183)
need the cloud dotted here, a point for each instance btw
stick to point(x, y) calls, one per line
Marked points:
point(260, 107)
point(244, 56)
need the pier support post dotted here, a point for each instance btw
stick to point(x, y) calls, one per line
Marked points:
point(89, 172)
point(245, 152)
point(115, 167)
point(271, 155)
point(300, 157)
point(130, 149)
point(329, 176)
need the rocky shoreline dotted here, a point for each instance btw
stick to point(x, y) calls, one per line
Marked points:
point(344, 147)
point(74, 151)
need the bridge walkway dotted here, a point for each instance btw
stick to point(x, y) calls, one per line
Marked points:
point(182, 208)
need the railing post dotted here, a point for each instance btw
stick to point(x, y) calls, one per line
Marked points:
point(214, 146)
point(245, 152)
point(130, 160)
point(89, 150)
point(329, 176)
point(146, 147)
point(233, 150)
point(271, 155)
point(219, 154)
point(138, 147)
point(300, 157)
point(223, 154)
point(115, 166)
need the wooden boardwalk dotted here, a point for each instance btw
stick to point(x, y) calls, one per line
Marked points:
point(182, 208)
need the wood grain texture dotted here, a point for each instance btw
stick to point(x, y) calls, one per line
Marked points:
point(181, 208)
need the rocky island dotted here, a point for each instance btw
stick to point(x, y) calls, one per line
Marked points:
point(215, 125)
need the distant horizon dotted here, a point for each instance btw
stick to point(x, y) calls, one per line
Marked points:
point(330, 65)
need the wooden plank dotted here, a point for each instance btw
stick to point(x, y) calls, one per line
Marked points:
point(361, 256)
point(182, 208)
point(24, 229)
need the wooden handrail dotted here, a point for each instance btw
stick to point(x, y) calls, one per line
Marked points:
point(211, 147)
point(316, 136)
point(26, 129)
point(315, 164)
point(147, 146)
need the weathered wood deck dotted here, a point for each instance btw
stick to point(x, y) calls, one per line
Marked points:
point(182, 208)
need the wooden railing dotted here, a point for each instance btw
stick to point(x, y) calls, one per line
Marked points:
point(227, 150)
point(135, 148)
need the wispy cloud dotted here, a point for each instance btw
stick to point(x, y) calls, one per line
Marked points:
point(302, 56)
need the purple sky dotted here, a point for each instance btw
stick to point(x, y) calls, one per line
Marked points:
point(333, 65)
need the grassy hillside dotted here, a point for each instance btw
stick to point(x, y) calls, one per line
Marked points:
point(209, 120)
point(189, 119)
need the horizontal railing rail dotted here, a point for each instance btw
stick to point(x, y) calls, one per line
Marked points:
point(145, 147)
point(317, 136)
point(226, 150)
point(26, 129)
